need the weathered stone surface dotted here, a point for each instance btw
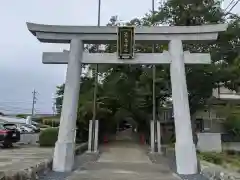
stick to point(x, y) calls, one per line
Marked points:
point(28, 162)
point(123, 161)
point(80, 161)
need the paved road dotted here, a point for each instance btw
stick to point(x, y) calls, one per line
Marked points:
point(123, 161)
point(22, 157)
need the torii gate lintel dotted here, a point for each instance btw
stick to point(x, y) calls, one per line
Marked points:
point(140, 58)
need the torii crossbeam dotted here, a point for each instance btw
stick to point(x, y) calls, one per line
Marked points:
point(140, 58)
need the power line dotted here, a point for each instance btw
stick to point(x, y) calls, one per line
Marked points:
point(233, 6)
point(229, 5)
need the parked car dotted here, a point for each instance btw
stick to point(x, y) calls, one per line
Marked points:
point(9, 134)
point(27, 128)
point(35, 124)
point(34, 127)
point(24, 129)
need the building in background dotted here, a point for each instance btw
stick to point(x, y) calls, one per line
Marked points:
point(210, 118)
point(222, 103)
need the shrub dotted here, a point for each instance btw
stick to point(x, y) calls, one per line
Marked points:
point(51, 122)
point(37, 119)
point(231, 152)
point(44, 126)
point(21, 116)
point(48, 137)
point(212, 157)
point(232, 124)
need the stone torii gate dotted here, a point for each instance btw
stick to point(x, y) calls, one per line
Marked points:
point(78, 35)
point(110, 58)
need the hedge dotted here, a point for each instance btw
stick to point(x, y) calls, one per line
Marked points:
point(215, 158)
point(44, 126)
point(48, 137)
point(51, 122)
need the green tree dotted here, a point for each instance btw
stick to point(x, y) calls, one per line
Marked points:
point(126, 90)
point(201, 79)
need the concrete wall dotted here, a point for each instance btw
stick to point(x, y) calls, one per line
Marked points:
point(213, 126)
point(208, 142)
point(222, 90)
point(212, 142)
point(212, 120)
point(231, 146)
point(209, 113)
point(29, 138)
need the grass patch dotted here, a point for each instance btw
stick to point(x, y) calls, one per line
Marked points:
point(215, 158)
point(226, 159)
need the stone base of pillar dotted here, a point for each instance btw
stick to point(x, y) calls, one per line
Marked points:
point(63, 157)
point(186, 161)
point(157, 153)
point(95, 138)
point(92, 152)
point(156, 141)
point(90, 136)
point(159, 146)
point(152, 140)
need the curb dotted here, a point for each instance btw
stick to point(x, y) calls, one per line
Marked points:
point(31, 173)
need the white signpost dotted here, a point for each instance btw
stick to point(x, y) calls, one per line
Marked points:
point(186, 159)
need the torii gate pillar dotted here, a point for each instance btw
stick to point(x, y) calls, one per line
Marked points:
point(63, 158)
point(184, 147)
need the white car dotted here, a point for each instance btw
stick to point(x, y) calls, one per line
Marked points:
point(23, 128)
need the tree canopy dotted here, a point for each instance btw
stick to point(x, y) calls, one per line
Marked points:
point(126, 90)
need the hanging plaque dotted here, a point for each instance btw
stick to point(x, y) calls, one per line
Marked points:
point(125, 42)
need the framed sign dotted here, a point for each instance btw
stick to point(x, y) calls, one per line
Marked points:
point(126, 42)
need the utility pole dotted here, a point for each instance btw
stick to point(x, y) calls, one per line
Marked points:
point(34, 100)
point(53, 109)
point(95, 84)
point(53, 104)
point(154, 91)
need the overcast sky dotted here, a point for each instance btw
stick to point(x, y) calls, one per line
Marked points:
point(21, 69)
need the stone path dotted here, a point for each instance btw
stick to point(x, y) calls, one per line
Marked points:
point(124, 152)
point(123, 161)
point(80, 161)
